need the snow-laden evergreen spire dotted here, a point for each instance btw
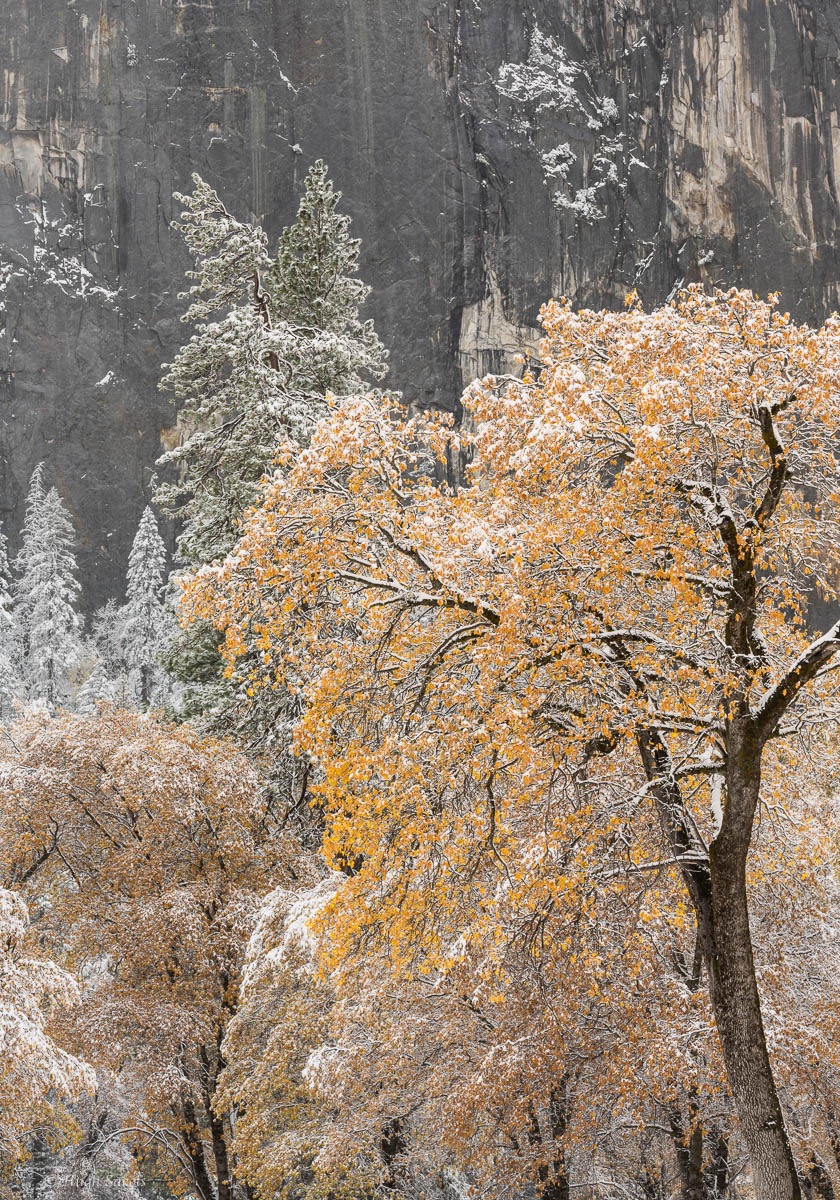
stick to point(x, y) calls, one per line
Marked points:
point(312, 282)
point(144, 611)
point(225, 379)
point(45, 593)
point(271, 336)
point(9, 681)
point(35, 495)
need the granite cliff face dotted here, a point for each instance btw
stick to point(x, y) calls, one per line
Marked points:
point(491, 154)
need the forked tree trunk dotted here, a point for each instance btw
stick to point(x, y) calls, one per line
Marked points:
point(735, 1000)
point(192, 1143)
point(718, 891)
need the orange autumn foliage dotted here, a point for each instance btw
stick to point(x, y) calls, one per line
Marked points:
point(547, 707)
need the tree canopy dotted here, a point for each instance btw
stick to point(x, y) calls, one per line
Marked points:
point(558, 699)
point(149, 850)
point(519, 874)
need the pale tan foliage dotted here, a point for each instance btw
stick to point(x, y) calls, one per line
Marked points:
point(36, 1074)
point(150, 849)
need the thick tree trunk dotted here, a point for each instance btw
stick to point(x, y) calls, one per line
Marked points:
point(221, 1159)
point(552, 1180)
point(218, 1141)
point(737, 1009)
point(191, 1139)
point(718, 890)
point(391, 1145)
point(556, 1189)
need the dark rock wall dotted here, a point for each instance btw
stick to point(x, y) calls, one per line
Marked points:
point(700, 140)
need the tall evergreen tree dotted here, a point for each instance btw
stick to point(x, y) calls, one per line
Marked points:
point(144, 614)
point(271, 337)
point(45, 593)
point(21, 603)
point(313, 284)
point(9, 682)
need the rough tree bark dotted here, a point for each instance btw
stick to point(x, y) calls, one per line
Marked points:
point(732, 978)
point(212, 1063)
point(715, 877)
point(192, 1143)
point(716, 882)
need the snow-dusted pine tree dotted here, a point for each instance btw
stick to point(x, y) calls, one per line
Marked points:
point(45, 594)
point(107, 642)
point(98, 687)
point(271, 336)
point(9, 681)
point(312, 283)
point(144, 615)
